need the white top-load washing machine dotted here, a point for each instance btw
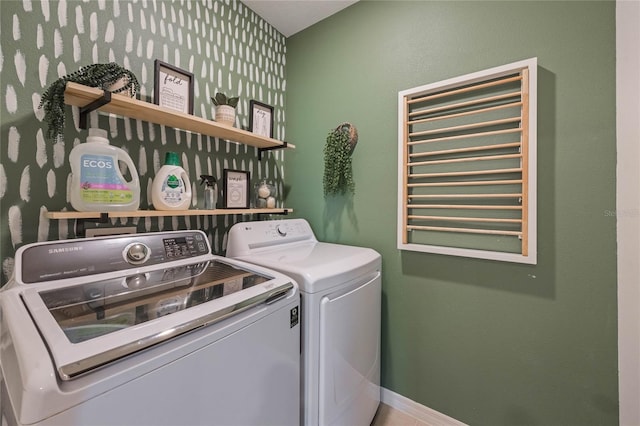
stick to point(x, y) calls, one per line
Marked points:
point(147, 329)
point(340, 287)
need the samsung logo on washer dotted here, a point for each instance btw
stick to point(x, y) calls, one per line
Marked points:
point(65, 249)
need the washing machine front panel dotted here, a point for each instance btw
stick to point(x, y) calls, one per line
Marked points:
point(340, 309)
point(250, 379)
point(349, 375)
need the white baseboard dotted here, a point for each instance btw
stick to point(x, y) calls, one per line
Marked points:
point(418, 411)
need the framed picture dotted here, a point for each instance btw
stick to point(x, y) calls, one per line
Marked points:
point(173, 87)
point(236, 189)
point(260, 118)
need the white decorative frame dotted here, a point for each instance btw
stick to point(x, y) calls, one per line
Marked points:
point(462, 102)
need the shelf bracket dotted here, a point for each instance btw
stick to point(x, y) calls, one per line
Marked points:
point(80, 228)
point(87, 109)
point(261, 150)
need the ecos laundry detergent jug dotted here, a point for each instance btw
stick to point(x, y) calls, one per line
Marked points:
point(97, 184)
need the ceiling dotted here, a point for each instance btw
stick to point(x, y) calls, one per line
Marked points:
point(291, 16)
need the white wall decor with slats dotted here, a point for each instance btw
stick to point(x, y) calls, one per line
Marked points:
point(467, 165)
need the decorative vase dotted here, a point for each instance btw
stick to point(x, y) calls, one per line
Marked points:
point(226, 115)
point(265, 195)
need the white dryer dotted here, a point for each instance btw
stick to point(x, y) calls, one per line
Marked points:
point(146, 329)
point(340, 287)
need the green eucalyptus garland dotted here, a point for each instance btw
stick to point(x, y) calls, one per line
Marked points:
point(338, 173)
point(95, 75)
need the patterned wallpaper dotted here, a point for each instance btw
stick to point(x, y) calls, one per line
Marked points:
point(223, 43)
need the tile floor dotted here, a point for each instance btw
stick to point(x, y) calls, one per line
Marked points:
point(388, 416)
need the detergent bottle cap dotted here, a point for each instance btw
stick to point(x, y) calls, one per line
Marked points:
point(97, 135)
point(171, 159)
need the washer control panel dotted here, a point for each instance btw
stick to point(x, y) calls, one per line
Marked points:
point(90, 256)
point(180, 247)
point(277, 230)
point(244, 237)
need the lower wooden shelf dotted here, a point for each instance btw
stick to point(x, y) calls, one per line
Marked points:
point(103, 217)
point(162, 213)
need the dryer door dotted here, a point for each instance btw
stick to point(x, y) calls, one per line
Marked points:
point(349, 380)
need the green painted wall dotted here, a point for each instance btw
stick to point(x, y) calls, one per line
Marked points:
point(223, 43)
point(485, 342)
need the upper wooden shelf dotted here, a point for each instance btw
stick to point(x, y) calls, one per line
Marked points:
point(81, 96)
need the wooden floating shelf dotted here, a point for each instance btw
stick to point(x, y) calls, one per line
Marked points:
point(162, 213)
point(81, 96)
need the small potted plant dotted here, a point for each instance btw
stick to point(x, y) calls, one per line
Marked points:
point(225, 108)
point(111, 77)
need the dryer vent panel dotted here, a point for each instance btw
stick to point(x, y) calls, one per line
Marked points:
point(467, 165)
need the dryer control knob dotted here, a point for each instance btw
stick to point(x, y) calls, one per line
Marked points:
point(137, 253)
point(281, 231)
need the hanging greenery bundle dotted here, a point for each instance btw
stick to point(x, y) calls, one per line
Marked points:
point(338, 173)
point(95, 75)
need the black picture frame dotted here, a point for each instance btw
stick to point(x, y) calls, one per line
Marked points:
point(172, 87)
point(260, 118)
point(235, 192)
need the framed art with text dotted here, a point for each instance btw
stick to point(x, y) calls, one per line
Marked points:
point(236, 189)
point(260, 118)
point(173, 87)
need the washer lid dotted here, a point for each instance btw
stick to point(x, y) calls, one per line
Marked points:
point(88, 325)
point(318, 266)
